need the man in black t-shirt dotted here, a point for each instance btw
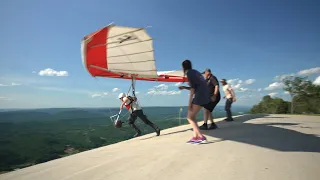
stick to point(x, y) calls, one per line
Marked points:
point(213, 85)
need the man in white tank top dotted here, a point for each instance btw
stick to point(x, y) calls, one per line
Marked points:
point(231, 97)
point(135, 111)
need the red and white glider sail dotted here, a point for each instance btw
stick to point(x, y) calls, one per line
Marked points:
point(123, 52)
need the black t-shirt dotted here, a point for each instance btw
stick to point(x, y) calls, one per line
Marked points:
point(212, 81)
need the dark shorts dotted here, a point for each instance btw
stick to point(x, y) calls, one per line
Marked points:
point(211, 105)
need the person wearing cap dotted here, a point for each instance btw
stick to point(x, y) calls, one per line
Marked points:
point(135, 111)
point(213, 85)
point(231, 97)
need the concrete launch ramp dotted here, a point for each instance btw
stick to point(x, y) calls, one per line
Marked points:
point(253, 147)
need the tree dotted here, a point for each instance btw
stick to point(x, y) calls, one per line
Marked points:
point(10, 159)
point(270, 106)
point(293, 86)
point(305, 96)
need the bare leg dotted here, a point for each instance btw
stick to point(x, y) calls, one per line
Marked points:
point(210, 117)
point(204, 126)
point(213, 125)
point(205, 115)
point(192, 120)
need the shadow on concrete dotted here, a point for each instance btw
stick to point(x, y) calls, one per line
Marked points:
point(265, 135)
point(241, 118)
point(237, 119)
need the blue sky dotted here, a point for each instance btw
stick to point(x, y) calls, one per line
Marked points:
point(238, 40)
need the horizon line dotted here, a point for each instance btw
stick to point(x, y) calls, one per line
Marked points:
point(101, 107)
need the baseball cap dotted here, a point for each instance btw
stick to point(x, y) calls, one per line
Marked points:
point(206, 70)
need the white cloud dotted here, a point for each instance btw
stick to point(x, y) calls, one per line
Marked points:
point(273, 94)
point(249, 81)
point(307, 72)
point(115, 89)
point(162, 87)
point(96, 95)
point(137, 92)
point(104, 94)
point(274, 86)
point(15, 84)
point(239, 81)
point(154, 92)
point(238, 86)
point(282, 77)
point(51, 72)
point(5, 99)
point(232, 81)
point(259, 89)
point(286, 92)
point(12, 84)
point(173, 92)
point(317, 81)
point(242, 90)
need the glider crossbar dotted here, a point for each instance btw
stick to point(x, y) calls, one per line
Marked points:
point(136, 30)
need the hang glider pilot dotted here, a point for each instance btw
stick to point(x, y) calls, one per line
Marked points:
point(136, 111)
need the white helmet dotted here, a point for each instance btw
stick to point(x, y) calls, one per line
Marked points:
point(121, 95)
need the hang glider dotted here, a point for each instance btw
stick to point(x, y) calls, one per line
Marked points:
point(123, 52)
